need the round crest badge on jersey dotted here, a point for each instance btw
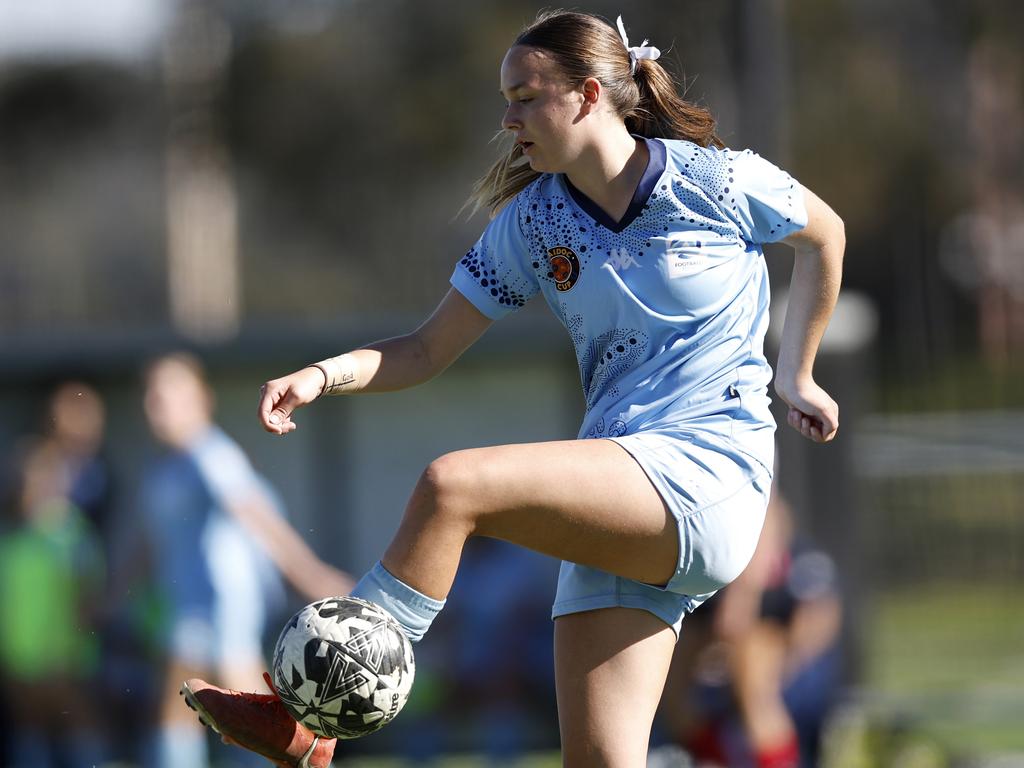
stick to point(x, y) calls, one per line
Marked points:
point(565, 267)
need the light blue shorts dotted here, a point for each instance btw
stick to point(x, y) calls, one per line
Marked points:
point(718, 498)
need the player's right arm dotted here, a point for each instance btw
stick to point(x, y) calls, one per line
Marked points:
point(384, 366)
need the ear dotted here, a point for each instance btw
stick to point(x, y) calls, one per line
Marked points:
point(592, 92)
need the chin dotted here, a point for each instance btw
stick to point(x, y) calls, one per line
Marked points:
point(540, 166)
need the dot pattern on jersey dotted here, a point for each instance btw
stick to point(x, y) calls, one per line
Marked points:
point(698, 196)
point(605, 357)
point(482, 270)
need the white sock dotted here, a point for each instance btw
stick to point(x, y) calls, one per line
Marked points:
point(413, 610)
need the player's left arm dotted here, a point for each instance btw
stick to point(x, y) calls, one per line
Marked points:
point(814, 289)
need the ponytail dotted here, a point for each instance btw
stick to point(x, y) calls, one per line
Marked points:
point(662, 113)
point(648, 99)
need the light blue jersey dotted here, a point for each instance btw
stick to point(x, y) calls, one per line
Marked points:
point(667, 308)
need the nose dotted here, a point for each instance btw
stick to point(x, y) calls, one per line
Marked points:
point(510, 121)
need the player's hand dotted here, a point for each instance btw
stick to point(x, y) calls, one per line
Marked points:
point(279, 398)
point(812, 412)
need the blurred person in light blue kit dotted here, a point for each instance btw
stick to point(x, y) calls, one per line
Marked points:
point(216, 534)
point(51, 579)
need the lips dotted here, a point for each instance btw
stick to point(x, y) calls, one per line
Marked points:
point(524, 145)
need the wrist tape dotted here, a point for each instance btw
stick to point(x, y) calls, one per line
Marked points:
point(339, 374)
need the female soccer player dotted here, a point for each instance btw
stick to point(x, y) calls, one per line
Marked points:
point(643, 234)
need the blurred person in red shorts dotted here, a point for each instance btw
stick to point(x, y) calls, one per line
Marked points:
point(751, 681)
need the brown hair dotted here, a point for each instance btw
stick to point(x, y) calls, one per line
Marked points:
point(648, 101)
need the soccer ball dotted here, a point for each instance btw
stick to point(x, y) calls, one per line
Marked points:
point(343, 667)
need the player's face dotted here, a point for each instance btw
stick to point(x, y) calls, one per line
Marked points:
point(543, 109)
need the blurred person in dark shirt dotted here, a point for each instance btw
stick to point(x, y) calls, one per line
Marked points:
point(76, 422)
point(75, 425)
point(752, 679)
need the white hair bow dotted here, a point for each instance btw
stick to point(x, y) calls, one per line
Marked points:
point(643, 51)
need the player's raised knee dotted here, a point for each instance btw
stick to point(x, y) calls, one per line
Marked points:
point(446, 485)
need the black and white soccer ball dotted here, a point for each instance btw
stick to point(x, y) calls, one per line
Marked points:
point(343, 667)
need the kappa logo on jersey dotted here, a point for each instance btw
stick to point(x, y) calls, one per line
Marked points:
point(621, 259)
point(565, 267)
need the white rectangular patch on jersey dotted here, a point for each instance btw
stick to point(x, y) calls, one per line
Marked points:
point(682, 263)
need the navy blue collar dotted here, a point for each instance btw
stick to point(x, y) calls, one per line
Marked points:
point(655, 168)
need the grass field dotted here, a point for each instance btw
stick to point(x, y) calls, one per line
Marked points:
point(949, 662)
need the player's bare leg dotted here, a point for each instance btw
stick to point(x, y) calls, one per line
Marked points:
point(586, 501)
point(610, 669)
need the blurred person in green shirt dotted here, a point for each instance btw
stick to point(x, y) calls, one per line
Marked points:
point(51, 577)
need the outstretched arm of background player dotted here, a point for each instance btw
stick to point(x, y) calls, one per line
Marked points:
point(310, 576)
point(384, 366)
point(814, 288)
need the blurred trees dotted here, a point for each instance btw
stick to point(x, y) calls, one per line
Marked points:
point(354, 131)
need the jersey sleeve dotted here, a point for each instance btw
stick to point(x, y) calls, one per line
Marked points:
point(495, 275)
point(768, 203)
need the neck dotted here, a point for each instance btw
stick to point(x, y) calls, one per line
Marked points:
point(608, 171)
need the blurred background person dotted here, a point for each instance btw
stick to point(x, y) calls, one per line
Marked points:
point(75, 421)
point(51, 578)
point(75, 425)
point(754, 676)
point(215, 533)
